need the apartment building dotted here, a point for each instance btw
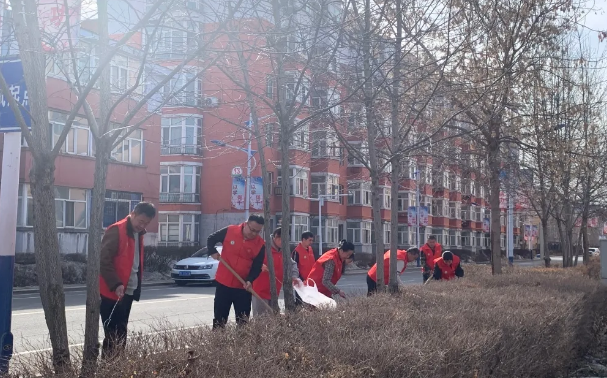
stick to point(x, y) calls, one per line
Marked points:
point(134, 172)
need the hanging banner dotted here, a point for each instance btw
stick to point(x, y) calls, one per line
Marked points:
point(503, 201)
point(486, 225)
point(423, 216)
point(535, 232)
point(52, 22)
point(238, 195)
point(592, 222)
point(256, 200)
point(527, 232)
point(605, 229)
point(13, 75)
point(412, 216)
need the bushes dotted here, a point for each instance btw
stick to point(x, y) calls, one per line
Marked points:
point(521, 324)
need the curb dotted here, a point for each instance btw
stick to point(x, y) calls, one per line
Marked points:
point(69, 288)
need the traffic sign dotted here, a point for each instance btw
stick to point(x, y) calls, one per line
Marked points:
point(236, 172)
point(12, 70)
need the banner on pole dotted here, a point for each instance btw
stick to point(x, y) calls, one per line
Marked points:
point(486, 225)
point(423, 216)
point(256, 200)
point(412, 216)
point(535, 232)
point(527, 231)
point(238, 200)
point(503, 201)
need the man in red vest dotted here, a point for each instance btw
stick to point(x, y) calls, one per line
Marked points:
point(447, 267)
point(121, 268)
point(402, 257)
point(430, 252)
point(303, 255)
point(262, 284)
point(244, 251)
point(327, 270)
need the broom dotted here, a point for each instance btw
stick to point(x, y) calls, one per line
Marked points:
point(221, 260)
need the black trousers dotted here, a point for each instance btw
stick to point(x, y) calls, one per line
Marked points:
point(371, 286)
point(114, 324)
point(426, 276)
point(225, 297)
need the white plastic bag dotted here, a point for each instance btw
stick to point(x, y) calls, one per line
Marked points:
point(310, 295)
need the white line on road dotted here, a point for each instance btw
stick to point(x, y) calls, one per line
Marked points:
point(16, 313)
point(79, 292)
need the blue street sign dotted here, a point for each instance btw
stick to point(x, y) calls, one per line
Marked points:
point(12, 70)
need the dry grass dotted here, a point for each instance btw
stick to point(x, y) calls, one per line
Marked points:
point(526, 323)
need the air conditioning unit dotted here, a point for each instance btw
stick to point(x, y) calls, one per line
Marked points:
point(211, 102)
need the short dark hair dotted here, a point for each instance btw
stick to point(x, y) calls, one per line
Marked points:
point(448, 256)
point(413, 251)
point(277, 232)
point(145, 208)
point(432, 237)
point(346, 246)
point(307, 235)
point(256, 218)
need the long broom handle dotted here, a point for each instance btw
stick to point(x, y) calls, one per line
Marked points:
point(221, 260)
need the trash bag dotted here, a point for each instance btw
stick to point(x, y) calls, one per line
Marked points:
point(310, 295)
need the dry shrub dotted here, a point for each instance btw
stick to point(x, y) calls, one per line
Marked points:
point(524, 323)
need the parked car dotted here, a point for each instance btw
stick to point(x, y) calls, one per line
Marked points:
point(200, 268)
point(594, 251)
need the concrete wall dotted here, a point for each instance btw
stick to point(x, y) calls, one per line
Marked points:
point(69, 242)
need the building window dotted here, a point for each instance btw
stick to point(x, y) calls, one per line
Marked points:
point(119, 74)
point(299, 181)
point(70, 208)
point(387, 234)
point(270, 85)
point(330, 228)
point(360, 193)
point(359, 232)
point(301, 138)
point(442, 180)
point(184, 90)
point(385, 198)
point(325, 185)
point(180, 229)
point(405, 200)
point(270, 129)
point(88, 61)
point(130, 150)
point(300, 224)
point(79, 139)
point(176, 39)
point(181, 135)
point(362, 152)
point(408, 169)
point(325, 145)
point(296, 89)
point(455, 184)
point(180, 183)
point(118, 205)
point(440, 208)
point(455, 210)
point(427, 201)
point(403, 235)
point(452, 239)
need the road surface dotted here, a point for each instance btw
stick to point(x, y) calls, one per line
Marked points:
point(161, 307)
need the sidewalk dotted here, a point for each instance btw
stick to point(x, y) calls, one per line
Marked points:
point(68, 288)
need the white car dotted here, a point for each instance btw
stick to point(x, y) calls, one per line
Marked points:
point(200, 268)
point(594, 251)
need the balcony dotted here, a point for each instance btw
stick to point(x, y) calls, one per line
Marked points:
point(181, 149)
point(179, 198)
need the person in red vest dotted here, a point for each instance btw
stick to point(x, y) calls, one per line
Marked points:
point(402, 257)
point(244, 251)
point(120, 273)
point(448, 267)
point(262, 284)
point(328, 268)
point(430, 252)
point(303, 255)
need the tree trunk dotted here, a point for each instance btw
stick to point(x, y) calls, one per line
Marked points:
point(286, 210)
point(91, 328)
point(48, 260)
point(396, 158)
point(544, 226)
point(494, 199)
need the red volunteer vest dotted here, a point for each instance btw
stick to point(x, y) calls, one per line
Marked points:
point(123, 262)
point(318, 270)
point(447, 272)
point(400, 255)
point(262, 284)
point(306, 260)
point(432, 256)
point(239, 254)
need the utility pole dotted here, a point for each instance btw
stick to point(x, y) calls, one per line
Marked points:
point(248, 178)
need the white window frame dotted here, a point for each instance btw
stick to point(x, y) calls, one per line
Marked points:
point(385, 197)
point(404, 235)
point(134, 137)
point(360, 190)
point(184, 98)
point(441, 206)
point(79, 129)
point(180, 122)
point(330, 229)
point(299, 181)
point(455, 210)
point(119, 74)
point(165, 187)
point(325, 144)
point(301, 138)
point(387, 231)
point(300, 223)
point(182, 222)
point(363, 148)
point(328, 186)
point(63, 203)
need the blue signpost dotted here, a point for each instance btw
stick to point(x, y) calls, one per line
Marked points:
point(12, 70)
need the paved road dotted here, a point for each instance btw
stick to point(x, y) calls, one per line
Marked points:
point(165, 306)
